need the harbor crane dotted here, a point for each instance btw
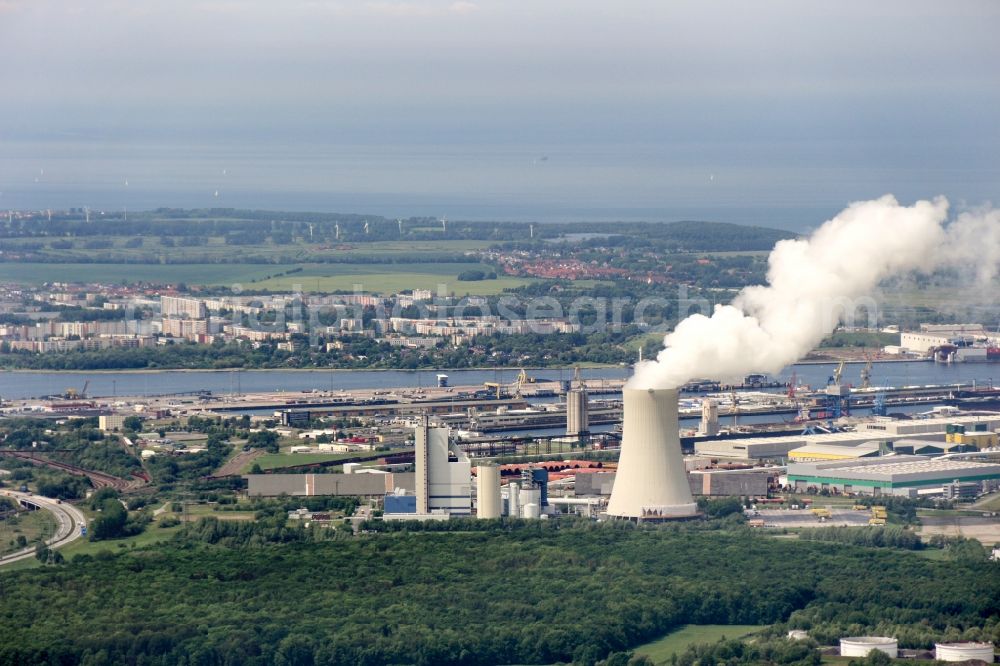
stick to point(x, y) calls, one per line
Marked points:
point(866, 374)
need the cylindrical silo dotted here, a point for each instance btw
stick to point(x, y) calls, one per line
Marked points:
point(488, 491)
point(577, 420)
point(651, 483)
point(964, 652)
point(530, 496)
point(531, 511)
point(514, 500)
point(860, 646)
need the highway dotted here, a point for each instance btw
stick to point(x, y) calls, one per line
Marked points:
point(69, 519)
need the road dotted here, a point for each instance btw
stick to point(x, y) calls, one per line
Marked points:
point(68, 522)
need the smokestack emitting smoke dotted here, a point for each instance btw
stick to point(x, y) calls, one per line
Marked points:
point(813, 282)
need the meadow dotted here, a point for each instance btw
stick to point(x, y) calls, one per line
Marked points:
point(382, 278)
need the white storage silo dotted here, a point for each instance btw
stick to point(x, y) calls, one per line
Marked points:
point(531, 511)
point(964, 652)
point(487, 491)
point(860, 646)
point(514, 500)
point(528, 496)
point(651, 483)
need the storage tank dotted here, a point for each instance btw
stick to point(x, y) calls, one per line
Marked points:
point(964, 652)
point(860, 646)
point(513, 500)
point(529, 496)
point(531, 511)
point(487, 491)
point(651, 483)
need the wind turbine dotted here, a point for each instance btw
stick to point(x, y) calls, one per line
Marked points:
point(400, 223)
point(444, 224)
point(366, 227)
point(336, 228)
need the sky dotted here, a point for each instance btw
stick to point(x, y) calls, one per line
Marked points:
point(542, 108)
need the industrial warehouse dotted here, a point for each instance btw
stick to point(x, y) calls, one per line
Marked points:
point(907, 476)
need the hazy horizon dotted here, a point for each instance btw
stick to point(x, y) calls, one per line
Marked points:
point(776, 114)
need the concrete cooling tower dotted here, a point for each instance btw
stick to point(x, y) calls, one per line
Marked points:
point(651, 483)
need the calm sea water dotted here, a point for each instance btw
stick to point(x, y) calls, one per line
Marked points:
point(509, 182)
point(22, 385)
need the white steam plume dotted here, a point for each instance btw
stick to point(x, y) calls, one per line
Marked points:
point(814, 282)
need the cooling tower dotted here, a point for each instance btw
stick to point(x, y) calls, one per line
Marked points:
point(651, 483)
point(488, 491)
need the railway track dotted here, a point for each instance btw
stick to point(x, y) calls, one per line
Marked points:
point(97, 479)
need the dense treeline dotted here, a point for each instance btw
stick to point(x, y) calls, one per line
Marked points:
point(888, 536)
point(536, 350)
point(250, 227)
point(531, 593)
point(736, 652)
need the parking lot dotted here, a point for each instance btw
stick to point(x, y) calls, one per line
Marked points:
point(790, 518)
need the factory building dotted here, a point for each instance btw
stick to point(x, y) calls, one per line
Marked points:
point(908, 476)
point(893, 428)
point(812, 452)
point(309, 485)
point(443, 473)
point(651, 483)
point(960, 430)
point(528, 497)
point(730, 482)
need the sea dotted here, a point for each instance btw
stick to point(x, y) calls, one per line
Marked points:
point(464, 182)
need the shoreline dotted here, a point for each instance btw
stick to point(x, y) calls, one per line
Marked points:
point(593, 366)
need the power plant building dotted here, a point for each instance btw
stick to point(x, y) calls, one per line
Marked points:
point(443, 473)
point(651, 483)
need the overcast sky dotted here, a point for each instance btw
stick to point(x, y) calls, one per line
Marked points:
point(740, 84)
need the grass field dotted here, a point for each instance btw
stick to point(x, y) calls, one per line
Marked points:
point(34, 526)
point(211, 274)
point(389, 278)
point(382, 278)
point(677, 641)
point(279, 460)
point(215, 248)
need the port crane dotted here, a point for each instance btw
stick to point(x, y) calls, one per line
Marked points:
point(514, 388)
point(73, 394)
point(866, 374)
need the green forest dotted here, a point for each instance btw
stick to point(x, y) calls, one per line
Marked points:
point(226, 593)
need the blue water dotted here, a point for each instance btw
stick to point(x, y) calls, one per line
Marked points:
point(21, 385)
point(489, 182)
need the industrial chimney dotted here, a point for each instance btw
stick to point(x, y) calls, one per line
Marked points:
point(651, 483)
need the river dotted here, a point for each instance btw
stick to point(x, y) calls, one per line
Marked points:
point(26, 385)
